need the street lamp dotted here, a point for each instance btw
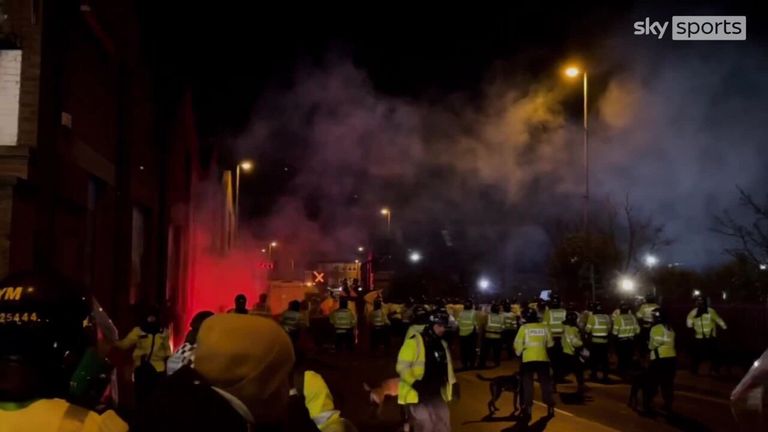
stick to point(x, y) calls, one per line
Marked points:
point(414, 257)
point(246, 166)
point(483, 284)
point(388, 214)
point(573, 72)
point(360, 249)
point(271, 246)
point(651, 261)
point(627, 284)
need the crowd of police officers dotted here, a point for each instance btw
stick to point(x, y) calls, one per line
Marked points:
point(48, 355)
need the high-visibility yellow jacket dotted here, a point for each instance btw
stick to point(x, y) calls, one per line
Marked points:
point(52, 415)
point(510, 320)
point(377, 318)
point(554, 319)
point(494, 326)
point(598, 327)
point(467, 322)
point(291, 320)
point(571, 339)
point(410, 366)
point(644, 314)
point(142, 345)
point(319, 401)
point(532, 341)
point(343, 320)
point(661, 341)
point(625, 326)
point(414, 329)
point(705, 326)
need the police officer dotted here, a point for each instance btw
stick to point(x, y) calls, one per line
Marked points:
point(426, 377)
point(625, 329)
point(511, 324)
point(419, 320)
point(554, 317)
point(492, 337)
point(661, 344)
point(344, 322)
point(645, 317)
point(292, 321)
point(531, 343)
point(379, 326)
point(52, 372)
point(262, 307)
point(468, 335)
point(704, 321)
point(572, 344)
point(598, 328)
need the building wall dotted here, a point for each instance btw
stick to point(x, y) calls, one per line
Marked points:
point(85, 190)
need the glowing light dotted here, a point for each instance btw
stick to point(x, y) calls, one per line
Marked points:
point(483, 283)
point(763, 266)
point(273, 244)
point(246, 165)
point(627, 284)
point(572, 71)
point(696, 293)
point(415, 257)
point(360, 248)
point(357, 261)
point(263, 251)
point(384, 211)
point(651, 261)
point(724, 295)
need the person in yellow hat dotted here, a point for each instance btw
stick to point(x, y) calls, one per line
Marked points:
point(48, 348)
point(241, 381)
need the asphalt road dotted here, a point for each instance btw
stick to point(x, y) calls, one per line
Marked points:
point(701, 403)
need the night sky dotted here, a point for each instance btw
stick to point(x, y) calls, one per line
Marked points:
point(249, 65)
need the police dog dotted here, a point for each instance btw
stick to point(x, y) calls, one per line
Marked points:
point(500, 384)
point(377, 395)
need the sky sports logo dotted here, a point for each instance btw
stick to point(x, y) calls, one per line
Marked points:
point(696, 28)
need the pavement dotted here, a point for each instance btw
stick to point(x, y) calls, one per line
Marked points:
point(701, 402)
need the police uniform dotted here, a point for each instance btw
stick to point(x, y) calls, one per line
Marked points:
point(661, 344)
point(571, 342)
point(291, 321)
point(704, 324)
point(379, 328)
point(599, 327)
point(625, 329)
point(344, 322)
point(468, 337)
point(554, 318)
point(492, 339)
point(531, 343)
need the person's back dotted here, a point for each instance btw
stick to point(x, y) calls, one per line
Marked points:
point(44, 415)
point(532, 342)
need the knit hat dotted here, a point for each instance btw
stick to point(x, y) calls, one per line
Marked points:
point(249, 357)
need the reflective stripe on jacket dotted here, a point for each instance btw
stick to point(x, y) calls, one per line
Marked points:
point(532, 341)
point(644, 314)
point(705, 326)
point(494, 326)
point(378, 319)
point(599, 326)
point(510, 321)
point(554, 319)
point(661, 341)
point(342, 319)
point(625, 326)
point(291, 320)
point(411, 361)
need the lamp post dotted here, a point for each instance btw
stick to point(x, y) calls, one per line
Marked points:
point(573, 72)
point(386, 212)
point(271, 246)
point(651, 261)
point(245, 166)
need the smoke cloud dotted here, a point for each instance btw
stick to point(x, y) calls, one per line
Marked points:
point(676, 129)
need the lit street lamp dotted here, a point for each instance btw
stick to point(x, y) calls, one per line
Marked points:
point(246, 166)
point(388, 214)
point(483, 284)
point(360, 249)
point(573, 72)
point(627, 284)
point(271, 246)
point(414, 257)
point(651, 261)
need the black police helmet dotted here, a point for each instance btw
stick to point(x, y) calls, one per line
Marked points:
point(45, 329)
point(530, 315)
point(570, 318)
point(420, 314)
point(439, 317)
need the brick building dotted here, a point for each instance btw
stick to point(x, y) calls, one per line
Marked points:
point(96, 155)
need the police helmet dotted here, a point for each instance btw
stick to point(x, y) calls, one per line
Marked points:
point(294, 305)
point(598, 307)
point(623, 307)
point(46, 332)
point(555, 302)
point(420, 314)
point(377, 303)
point(650, 298)
point(530, 315)
point(343, 303)
point(495, 308)
point(468, 305)
point(439, 317)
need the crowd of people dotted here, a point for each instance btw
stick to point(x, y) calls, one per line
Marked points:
point(244, 370)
